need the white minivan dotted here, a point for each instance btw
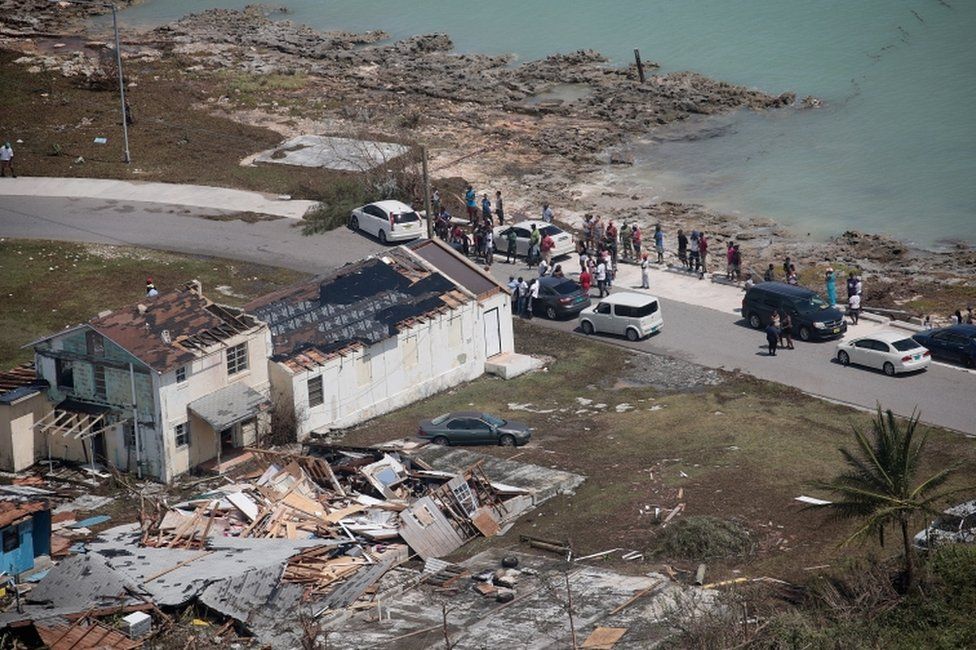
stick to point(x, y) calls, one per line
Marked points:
point(630, 314)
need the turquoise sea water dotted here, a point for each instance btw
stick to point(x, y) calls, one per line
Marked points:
point(893, 150)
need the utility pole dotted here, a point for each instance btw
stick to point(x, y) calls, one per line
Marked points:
point(430, 217)
point(640, 64)
point(118, 64)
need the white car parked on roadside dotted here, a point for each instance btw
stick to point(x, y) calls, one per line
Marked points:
point(627, 313)
point(563, 240)
point(387, 221)
point(890, 352)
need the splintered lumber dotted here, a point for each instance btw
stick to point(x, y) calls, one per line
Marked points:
point(633, 599)
point(545, 544)
point(176, 566)
point(673, 514)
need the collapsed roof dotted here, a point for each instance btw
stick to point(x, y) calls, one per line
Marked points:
point(361, 304)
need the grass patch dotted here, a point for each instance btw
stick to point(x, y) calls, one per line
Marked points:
point(741, 450)
point(173, 139)
point(47, 286)
point(704, 538)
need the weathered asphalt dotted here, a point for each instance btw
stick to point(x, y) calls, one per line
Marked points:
point(944, 395)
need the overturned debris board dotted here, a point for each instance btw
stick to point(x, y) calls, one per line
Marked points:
point(485, 521)
point(428, 532)
point(604, 638)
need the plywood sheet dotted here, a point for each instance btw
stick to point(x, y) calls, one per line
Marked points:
point(604, 638)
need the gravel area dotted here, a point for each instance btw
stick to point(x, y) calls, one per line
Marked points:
point(665, 373)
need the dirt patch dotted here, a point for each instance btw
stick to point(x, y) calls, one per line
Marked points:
point(664, 374)
point(246, 217)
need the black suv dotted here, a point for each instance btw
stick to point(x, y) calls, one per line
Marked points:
point(813, 319)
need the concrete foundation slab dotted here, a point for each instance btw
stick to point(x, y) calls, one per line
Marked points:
point(328, 152)
point(509, 365)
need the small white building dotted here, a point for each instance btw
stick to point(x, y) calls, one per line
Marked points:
point(381, 333)
point(158, 387)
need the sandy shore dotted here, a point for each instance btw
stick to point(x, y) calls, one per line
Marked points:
point(551, 130)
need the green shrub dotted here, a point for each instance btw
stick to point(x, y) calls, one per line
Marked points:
point(704, 538)
point(338, 200)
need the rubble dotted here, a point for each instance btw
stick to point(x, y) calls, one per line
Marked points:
point(291, 537)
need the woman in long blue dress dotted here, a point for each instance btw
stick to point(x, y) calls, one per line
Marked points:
point(831, 287)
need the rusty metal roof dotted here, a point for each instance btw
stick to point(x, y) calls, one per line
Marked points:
point(12, 512)
point(22, 375)
point(173, 328)
point(358, 305)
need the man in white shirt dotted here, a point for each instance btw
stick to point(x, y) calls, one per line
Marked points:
point(601, 278)
point(533, 295)
point(543, 268)
point(854, 307)
point(7, 160)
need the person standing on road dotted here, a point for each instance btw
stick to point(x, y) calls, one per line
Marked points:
point(470, 197)
point(611, 241)
point(532, 255)
point(489, 243)
point(546, 244)
point(601, 277)
point(854, 307)
point(831, 283)
point(791, 276)
point(645, 280)
point(547, 215)
point(787, 263)
point(7, 160)
point(703, 255)
point(585, 281)
point(523, 296)
point(659, 243)
point(533, 296)
point(511, 252)
point(786, 331)
point(486, 209)
point(637, 237)
point(626, 248)
point(543, 268)
point(851, 285)
point(770, 274)
point(772, 338)
point(598, 233)
point(499, 208)
point(736, 263)
point(728, 259)
point(694, 260)
point(682, 248)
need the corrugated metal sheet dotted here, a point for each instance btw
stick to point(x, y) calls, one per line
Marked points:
point(229, 405)
point(456, 267)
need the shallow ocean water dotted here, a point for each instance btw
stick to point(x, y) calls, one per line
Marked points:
point(891, 150)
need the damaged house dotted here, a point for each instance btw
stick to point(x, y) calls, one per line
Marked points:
point(382, 333)
point(157, 387)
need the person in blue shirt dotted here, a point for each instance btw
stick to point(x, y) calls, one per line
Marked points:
point(470, 201)
point(486, 209)
point(659, 243)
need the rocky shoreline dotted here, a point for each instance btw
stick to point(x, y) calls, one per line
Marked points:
point(547, 130)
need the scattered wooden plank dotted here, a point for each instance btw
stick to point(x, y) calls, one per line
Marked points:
point(603, 638)
point(633, 599)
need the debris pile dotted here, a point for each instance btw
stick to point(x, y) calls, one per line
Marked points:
point(291, 537)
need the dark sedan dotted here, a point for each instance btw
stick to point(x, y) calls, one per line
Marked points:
point(956, 343)
point(473, 428)
point(559, 298)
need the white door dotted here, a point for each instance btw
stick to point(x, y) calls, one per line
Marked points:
point(493, 334)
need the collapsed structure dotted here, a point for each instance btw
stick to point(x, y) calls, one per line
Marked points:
point(299, 536)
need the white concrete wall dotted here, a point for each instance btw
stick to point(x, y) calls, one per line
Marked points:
point(503, 302)
point(419, 362)
point(204, 376)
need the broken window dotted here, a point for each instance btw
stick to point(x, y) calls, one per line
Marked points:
point(64, 368)
point(129, 434)
point(316, 396)
point(11, 540)
point(182, 434)
point(237, 359)
point(95, 344)
point(100, 391)
point(181, 374)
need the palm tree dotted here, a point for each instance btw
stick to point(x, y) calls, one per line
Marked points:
point(879, 486)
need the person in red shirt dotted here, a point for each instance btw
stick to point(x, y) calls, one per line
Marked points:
point(585, 280)
point(547, 245)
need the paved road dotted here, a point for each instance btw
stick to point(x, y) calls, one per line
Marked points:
point(945, 395)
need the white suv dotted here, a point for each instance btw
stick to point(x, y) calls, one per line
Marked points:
point(387, 221)
point(630, 314)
